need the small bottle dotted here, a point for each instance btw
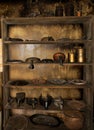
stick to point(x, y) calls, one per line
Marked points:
point(69, 8)
point(59, 10)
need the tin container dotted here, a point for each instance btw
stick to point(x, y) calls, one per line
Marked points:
point(80, 55)
point(71, 57)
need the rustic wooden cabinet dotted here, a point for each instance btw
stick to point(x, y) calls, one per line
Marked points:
point(41, 38)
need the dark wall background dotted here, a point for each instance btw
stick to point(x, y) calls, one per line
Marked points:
point(21, 8)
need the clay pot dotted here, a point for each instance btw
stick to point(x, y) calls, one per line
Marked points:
point(73, 119)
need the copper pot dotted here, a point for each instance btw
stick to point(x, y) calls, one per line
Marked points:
point(73, 119)
point(59, 57)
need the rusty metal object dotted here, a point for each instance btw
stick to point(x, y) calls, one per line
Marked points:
point(73, 119)
point(19, 82)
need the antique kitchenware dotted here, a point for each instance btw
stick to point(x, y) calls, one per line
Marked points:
point(20, 98)
point(45, 101)
point(71, 57)
point(14, 39)
point(45, 120)
point(73, 119)
point(78, 82)
point(38, 81)
point(19, 82)
point(80, 54)
point(58, 102)
point(47, 61)
point(59, 57)
point(32, 101)
point(57, 81)
point(32, 60)
point(49, 38)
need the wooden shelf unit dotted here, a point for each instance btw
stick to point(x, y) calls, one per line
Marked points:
point(21, 51)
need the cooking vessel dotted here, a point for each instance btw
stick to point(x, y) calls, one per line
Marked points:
point(73, 119)
point(46, 120)
point(59, 57)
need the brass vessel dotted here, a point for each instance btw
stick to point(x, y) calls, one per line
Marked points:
point(71, 57)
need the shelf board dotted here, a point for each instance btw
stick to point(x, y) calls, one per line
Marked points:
point(81, 41)
point(78, 64)
point(42, 20)
point(39, 108)
point(66, 86)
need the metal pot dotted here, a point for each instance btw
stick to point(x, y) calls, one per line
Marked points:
point(73, 119)
point(45, 120)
